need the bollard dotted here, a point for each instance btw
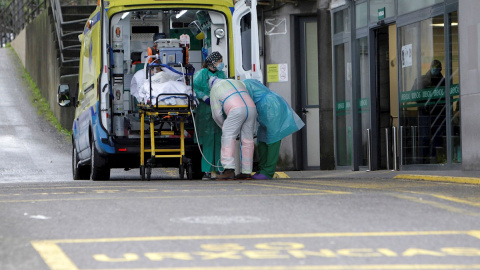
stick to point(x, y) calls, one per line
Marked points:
point(387, 148)
point(394, 140)
point(368, 150)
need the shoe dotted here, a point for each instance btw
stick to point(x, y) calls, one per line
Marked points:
point(260, 176)
point(207, 176)
point(213, 175)
point(228, 174)
point(243, 176)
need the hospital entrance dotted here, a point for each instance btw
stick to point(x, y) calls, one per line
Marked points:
point(384, 100)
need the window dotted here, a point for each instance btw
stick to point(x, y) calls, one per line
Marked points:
point(405, 6)
point(422, 95)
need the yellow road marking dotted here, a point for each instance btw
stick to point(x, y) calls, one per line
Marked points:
point(53, 255)
point(378, 186)
point(453, 199)
point(319, 267)
point(460, 180)
point(474, 233)
point(437, 205)
point(298, 188)
point(389, 186)
point(56, 259)
point(163, 197)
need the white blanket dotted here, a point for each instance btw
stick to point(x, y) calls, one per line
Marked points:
point(162, 83)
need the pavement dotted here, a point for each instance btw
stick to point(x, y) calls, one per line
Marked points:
point(452, 176)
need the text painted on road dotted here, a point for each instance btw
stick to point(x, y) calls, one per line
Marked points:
point(319, 250)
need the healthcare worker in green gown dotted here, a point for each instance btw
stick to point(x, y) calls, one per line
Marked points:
point(208, 132)
point(276, 121)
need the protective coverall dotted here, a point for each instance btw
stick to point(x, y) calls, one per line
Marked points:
point(207, 130)
point(276, 121)
point(230, 97)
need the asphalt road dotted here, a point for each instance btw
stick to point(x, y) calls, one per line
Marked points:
point(50, 222)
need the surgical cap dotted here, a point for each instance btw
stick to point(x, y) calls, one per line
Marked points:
point(213, 58)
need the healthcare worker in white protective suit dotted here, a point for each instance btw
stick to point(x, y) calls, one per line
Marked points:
point(230, 98)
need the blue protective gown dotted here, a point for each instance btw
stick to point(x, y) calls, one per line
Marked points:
point(276, 118)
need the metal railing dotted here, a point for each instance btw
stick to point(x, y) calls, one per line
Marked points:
point(17, 14)
point(58, 21)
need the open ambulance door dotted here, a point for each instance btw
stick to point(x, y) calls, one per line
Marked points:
point(246, 47)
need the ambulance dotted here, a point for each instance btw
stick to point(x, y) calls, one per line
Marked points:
point(114, 47)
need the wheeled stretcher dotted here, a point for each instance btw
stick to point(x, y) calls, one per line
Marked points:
point(166, 130)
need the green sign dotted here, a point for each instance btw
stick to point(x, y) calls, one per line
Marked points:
point(363, 103)
point(428, 93)
point(381, 13)
point(343, 106)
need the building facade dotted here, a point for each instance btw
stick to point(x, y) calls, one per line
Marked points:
point(378, 82)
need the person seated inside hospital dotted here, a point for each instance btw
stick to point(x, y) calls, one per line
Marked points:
point(432, 78)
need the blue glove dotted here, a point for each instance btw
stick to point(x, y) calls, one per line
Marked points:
point(207, 101)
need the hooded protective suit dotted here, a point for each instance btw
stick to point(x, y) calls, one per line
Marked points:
point(230, 98)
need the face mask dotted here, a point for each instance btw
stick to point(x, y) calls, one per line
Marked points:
point(220, 66)
point(435, 71)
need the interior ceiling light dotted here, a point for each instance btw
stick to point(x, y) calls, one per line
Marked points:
point(180, 14)
point(125, 15)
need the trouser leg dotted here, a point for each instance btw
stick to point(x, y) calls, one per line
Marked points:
point(262, 155)
point(271, 153)
point(208, 153)
point(246, 137)
point(231, 129)
point(217, 151)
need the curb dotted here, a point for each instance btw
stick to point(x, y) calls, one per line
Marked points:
point(436, 178)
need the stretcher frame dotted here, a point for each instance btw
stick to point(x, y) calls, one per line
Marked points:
point(178, 114)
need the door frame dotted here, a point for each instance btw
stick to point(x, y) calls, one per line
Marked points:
point(301, 90)
point(374, 96)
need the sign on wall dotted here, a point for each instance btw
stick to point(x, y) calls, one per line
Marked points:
point(275, 26)
point(406, 56)
point(277, 73)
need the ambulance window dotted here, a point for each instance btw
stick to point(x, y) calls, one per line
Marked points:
point(245, 31)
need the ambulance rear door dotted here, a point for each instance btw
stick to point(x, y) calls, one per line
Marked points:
point(245, 41)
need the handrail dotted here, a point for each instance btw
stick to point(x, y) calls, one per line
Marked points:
point(16, 15)
point(58, 20)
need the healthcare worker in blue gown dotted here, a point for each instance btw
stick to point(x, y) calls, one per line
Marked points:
point(276, 121)
point(208, 132)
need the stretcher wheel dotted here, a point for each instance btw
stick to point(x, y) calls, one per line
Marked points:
point(189, 171)
point(149, 173)
point(142, 172)
point(181, 171)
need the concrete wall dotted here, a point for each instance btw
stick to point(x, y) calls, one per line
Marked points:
point(469, 34)
point(279, 49)
point(18, 44)
point(37, 49)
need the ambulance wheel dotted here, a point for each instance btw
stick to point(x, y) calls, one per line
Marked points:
point(149, 173)
point(142, 172)
point(189, 171)
point(98, 170)
point(79, 172)
point(181, 171)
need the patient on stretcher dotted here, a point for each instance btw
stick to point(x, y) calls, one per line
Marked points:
point(163, 82)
